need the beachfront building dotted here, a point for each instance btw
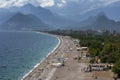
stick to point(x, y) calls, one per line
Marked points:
point(84, 51)
point(98, 67)
point(77, 41)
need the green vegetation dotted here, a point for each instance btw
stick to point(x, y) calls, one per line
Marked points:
point(104, 45)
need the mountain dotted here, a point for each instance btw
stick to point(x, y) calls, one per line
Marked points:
point(103, 23)
point(80, 10)
point(4, 15)
point(21, 21)
point(100, 22)
point(45, 15)
point(112, 12)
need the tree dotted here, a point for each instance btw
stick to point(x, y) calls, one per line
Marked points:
point(116, 68)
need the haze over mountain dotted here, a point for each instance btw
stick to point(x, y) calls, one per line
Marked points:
point(24, 22)
point(5, 15)
point(82, 9)
point(45, 15)
point(67, 8)
point(99, 22)
point(59, 13)
point(112, 12)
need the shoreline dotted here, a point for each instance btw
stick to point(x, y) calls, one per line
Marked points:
point(73, 69)
point(49, 54)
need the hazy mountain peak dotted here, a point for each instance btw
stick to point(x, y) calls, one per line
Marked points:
point(20, 21)
point(29, 5)
point(19, 14)
point(101, 14)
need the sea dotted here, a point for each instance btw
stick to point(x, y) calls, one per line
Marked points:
point(21, 51)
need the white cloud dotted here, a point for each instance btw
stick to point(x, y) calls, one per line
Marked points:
point(46, 3)
point(8, 3)
point(62, 3)
point(58, 3)
point(43, 3)
point(19, 2)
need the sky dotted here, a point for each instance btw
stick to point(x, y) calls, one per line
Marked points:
point(56, 3)
point(61, 6)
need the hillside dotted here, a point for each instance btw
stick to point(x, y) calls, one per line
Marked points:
point(44, 14)
point(4, 15)
point(100, 22)
point(111, 12)
point(20, 21)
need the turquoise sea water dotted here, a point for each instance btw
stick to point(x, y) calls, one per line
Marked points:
point(21, 51)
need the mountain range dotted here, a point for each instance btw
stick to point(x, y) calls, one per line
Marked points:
point(112, 12)
point(44, 14)
point(21, 21)
point(99, 22)
point(5, 15)
point(82, 9)
point(29, 17)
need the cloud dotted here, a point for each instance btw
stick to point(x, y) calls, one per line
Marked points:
point(87, 5)
point(46, 3)
point(56, 3)
point(9, 3)
point(62, 3)
point(94, 4)
point(78, 7)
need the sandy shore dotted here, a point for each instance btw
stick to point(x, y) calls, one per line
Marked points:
point(40, 67)
point(67, 51)
point(72, 69)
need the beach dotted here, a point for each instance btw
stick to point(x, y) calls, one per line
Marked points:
point(47, 70)
point(52, 67)
point(40, 67)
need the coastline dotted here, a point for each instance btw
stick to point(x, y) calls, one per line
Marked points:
point(61, 63)
point(43, 60)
